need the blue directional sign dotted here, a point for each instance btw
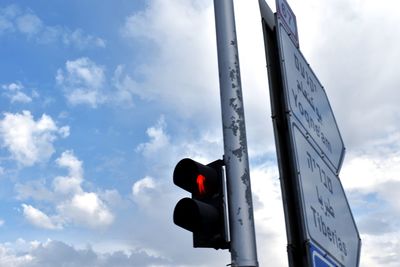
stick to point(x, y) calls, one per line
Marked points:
point(320, 259)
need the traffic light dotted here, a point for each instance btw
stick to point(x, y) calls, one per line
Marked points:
point(203, 213)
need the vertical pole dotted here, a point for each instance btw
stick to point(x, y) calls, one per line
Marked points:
point(241, 220)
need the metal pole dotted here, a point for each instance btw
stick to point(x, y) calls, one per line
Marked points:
point(241, 220)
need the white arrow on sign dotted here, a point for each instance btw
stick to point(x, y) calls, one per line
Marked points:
point(308, 102)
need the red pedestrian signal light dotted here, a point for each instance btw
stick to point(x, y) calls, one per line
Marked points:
point(200, 184)
point(201, 180)
point(204, 213)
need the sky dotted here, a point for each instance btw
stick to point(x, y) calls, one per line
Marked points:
point(100, 99)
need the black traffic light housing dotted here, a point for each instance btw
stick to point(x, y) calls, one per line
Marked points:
point(204, 213)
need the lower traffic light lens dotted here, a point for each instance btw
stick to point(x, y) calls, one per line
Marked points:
point(195, 215)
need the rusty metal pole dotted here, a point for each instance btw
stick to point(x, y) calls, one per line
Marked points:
point(241, 219)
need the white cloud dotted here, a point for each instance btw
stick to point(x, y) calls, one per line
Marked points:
point(366, 172)
point(5, 25)
point(7, 14)
point(27, 140)
point(17, 86)
point(74, 166)
point(113, 199)
point(10, 259)
point(64, 131)
point(1, 222)
point(79, 207)
point(38, 218)
point(182, 74)
point(268, 214)
point(158, 139)
point(375, 174)
point(202, 146)
point(125, 87)
point(71, 203)
point(84, 72)
point(68, 160)
point(15, 94)
point(189, 85)
point(21, 97)
point(380, 250)
point(85, 82)
point(81, 40)
point(14, 19)
point(56, 253)
point(371, 180)
point(143, 185)
point(67, 184)
point(35, 190)
point(82, 81)
point(29, 24)
point(86, 209)
point(144, 191)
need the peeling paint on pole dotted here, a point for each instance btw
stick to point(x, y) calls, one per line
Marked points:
point(241, 219)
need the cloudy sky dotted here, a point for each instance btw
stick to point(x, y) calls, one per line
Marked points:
point(100, 99)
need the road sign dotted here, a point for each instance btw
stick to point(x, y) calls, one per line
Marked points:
point(288, 17)
point(329, 221)
point(307, 101)
point(318, 154)
point(320, 259)
point(320, 226)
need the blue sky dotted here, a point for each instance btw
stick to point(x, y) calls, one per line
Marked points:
point(100, 99)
